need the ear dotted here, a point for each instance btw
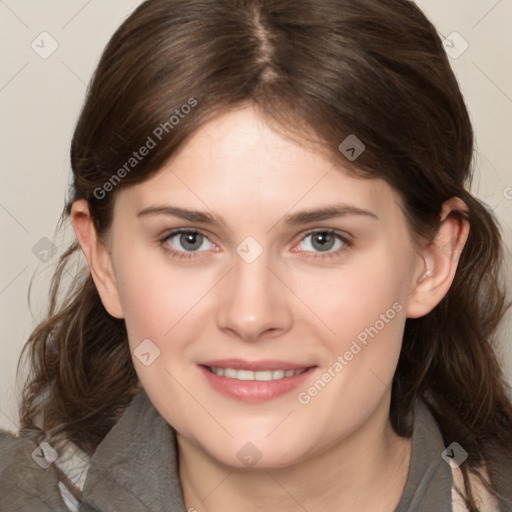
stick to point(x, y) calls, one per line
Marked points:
point(440, 260)
point(98, 257)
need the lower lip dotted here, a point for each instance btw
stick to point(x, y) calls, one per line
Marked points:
point(254, 391)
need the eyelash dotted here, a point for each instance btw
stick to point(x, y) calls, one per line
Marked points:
point(347, 244)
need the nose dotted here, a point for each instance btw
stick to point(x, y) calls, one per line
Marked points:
point(254, 302)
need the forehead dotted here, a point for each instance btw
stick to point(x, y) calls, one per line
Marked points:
point(238, 161)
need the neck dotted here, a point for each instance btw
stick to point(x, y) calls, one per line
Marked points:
point(367, 471)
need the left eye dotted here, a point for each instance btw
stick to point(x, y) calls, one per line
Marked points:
point(324, 241)
point(189, 240)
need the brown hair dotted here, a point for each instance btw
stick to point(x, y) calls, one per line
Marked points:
point(376, 69)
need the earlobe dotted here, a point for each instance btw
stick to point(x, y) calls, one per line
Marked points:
point(439, 261)
point(97, 256)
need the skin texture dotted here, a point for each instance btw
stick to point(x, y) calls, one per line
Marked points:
point(289, 304)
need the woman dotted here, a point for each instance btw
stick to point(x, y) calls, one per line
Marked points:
point(289, 289)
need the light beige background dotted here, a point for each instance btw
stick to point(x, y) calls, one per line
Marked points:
point(40, 100)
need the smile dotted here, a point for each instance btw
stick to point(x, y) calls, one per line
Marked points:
point(265, 375)
point(254, 381)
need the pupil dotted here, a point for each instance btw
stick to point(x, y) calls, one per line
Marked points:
point(193, 239)
point(325, 240)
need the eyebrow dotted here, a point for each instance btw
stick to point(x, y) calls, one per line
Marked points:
point(325, 213)
point(294, 219)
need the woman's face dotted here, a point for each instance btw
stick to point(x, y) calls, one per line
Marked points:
point(254, 293)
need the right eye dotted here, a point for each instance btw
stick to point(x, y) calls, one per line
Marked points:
point(185, 242)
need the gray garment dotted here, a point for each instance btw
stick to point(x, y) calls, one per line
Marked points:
point(135, 469)
point(429, 484)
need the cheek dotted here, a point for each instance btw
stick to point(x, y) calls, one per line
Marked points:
point(367, 318)
point(156, 297)
point(363, 305)
point(367, 289)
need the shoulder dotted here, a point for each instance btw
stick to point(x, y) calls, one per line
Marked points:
point(484, 498)
point(13, 451)
point(27, 482)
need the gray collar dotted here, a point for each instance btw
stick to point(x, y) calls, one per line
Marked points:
point(135, 466)
point(429, 483)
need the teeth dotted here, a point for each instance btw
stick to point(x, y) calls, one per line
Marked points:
point(267, 375)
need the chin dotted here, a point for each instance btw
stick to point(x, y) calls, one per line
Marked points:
point(247, 454)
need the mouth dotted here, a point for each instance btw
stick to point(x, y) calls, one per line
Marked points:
point(260, 376)
point(254, 381)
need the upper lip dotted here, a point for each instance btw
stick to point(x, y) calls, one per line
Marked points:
point(262, 365)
